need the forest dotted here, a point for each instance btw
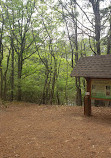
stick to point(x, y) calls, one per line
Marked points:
point(42, 40)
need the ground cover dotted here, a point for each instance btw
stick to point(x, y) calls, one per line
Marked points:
point(32, 131)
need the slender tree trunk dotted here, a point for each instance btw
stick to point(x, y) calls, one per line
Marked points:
point(1, 80)
point(78, 92)
point(109, 37)
point(96, 10)
point(5, 77)
point(12, 72)
point(43, 100)
point(66, 96)
point(78, 89)
point(58, 98)
point(1, 55)
point(97, 29)
point(19, 77)
point(1, 73)
point(53, 83)
point(72, 51)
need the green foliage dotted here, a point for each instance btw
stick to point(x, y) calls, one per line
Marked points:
point(35, 32)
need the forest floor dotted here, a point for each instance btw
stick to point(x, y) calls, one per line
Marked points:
point(32, 131)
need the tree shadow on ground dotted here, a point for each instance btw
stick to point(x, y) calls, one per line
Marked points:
point(101, 115)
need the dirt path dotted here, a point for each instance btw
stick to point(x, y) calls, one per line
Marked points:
point(32, 131)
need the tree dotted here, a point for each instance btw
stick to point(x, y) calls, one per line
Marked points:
point(1, 50)
point(40, 43)
point(69, 14)
point(19, 18)
point(96, 10)
point(109, 34)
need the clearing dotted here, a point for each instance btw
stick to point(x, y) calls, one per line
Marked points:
point(31, 131)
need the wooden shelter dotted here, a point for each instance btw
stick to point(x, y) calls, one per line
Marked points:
point(97, 72)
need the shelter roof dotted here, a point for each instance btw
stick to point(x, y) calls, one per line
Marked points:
point(98, 66)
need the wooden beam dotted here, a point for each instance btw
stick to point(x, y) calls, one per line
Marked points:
point(87, 99)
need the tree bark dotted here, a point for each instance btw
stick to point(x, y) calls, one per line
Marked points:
point(96, 10)
point(1, 80)
point(1, 58)
point(109, 37)
point(12, 71)
point(19, 76)
point(78, 89)
point(5, 78)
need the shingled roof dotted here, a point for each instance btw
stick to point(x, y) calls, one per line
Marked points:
point(93, 67)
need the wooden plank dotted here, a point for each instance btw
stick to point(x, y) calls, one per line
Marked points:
point(87, 99)
point(100, 99)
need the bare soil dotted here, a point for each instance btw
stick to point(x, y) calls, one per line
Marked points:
point(33, 131)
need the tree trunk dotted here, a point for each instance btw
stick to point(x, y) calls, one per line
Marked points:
point(19, 76)
point(109, 37)
point(96, 10)
point(1, 80)
point(43, 99)
point(12, 71)
point(5, 78)
point(1, 74)
point(53, 81)
point(78, 92)
point(78, 89)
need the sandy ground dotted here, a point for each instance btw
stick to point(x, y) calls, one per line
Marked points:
point(32, 131)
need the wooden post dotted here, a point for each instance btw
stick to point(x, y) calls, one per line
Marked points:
point(87, 99)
